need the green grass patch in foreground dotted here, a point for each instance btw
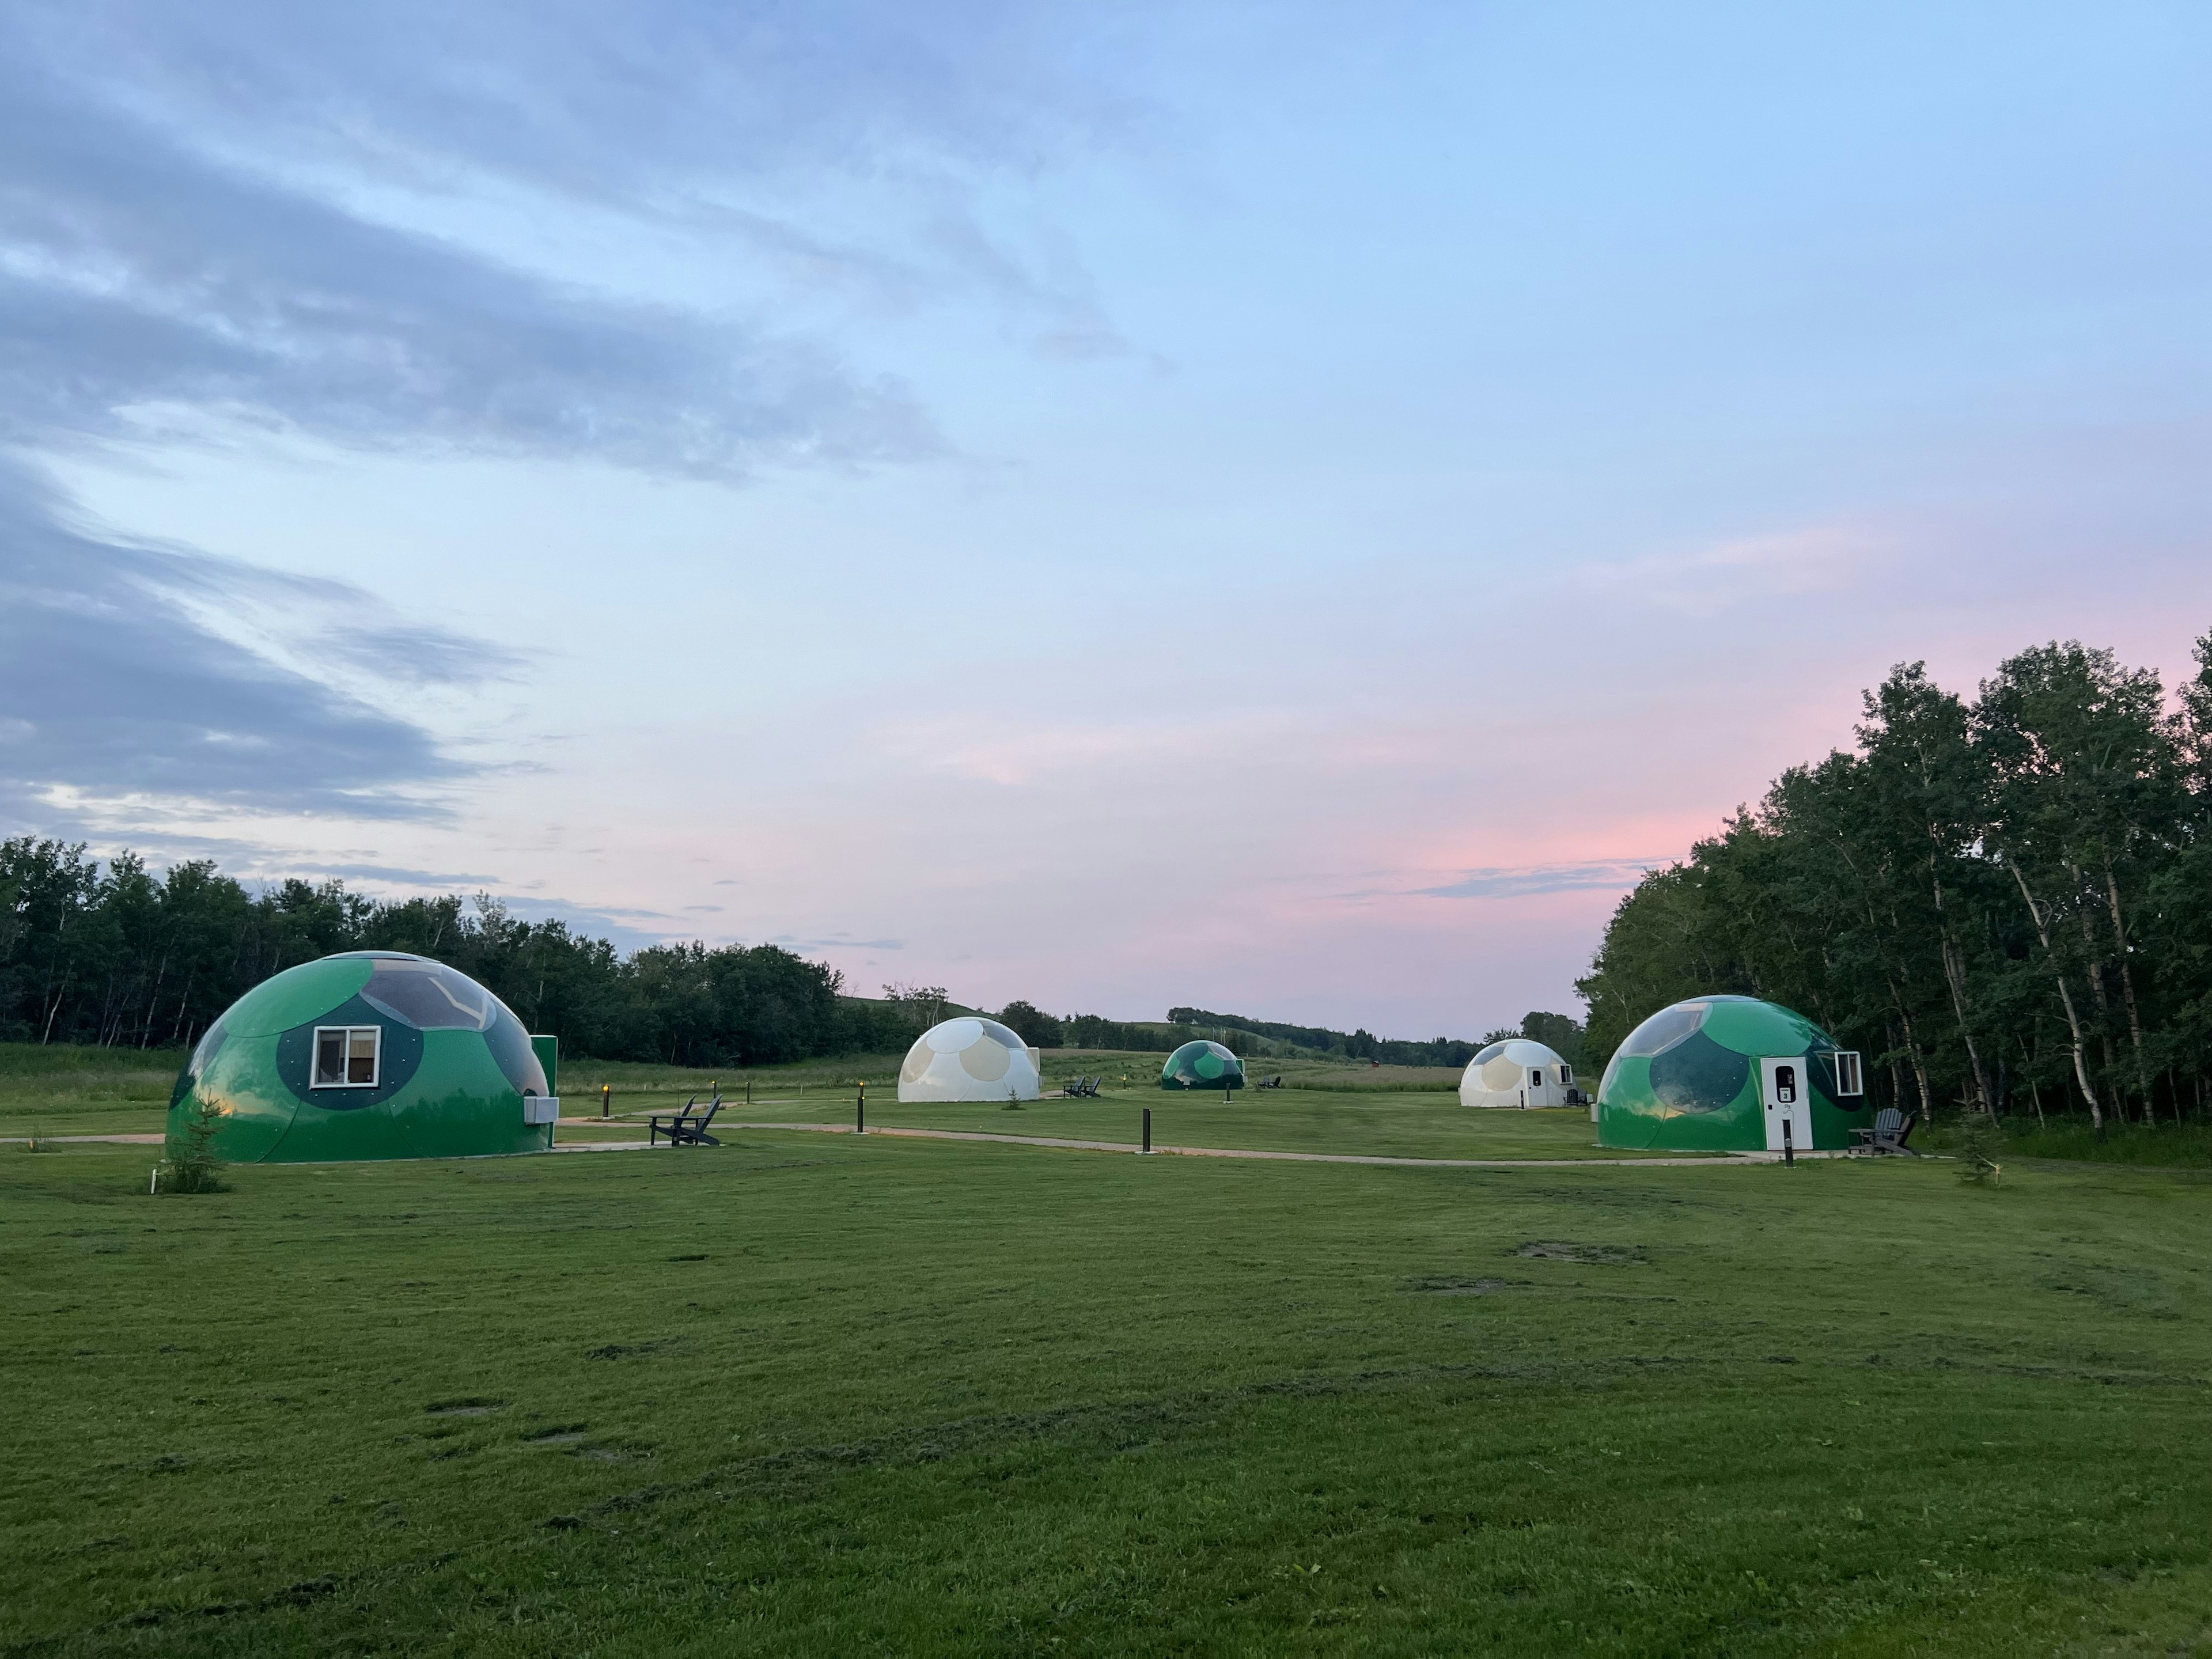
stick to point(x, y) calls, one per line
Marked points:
point(819, 1394)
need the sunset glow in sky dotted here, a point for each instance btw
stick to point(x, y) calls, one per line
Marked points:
point(1284, 509)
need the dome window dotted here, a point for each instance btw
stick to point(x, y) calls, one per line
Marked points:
point(346, 1056)
point(1849, 1078)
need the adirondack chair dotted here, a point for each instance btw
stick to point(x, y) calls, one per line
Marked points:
point(687, 1128)
point(1888, 1134)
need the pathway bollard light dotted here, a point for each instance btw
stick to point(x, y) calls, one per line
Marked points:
point(860, 1112)
point(1789, 1152)
point(1148, 1128)
point(606, 1098)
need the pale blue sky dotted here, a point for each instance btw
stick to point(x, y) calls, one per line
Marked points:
point(1277, 508)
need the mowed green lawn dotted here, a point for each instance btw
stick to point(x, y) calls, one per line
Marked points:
point(813, 1394)
point(1393, 1121)
point(1394, 1125)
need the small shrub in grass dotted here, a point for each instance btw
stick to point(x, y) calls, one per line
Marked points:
point(191, 1165)
point(1979, 1140)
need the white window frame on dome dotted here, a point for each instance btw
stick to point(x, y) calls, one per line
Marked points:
point(346, 1034)
point(1841, 1058)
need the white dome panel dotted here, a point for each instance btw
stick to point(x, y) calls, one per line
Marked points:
point(969, 1059)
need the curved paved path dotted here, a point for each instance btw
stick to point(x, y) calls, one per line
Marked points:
point(1720, 1160)
point(1724, 1160)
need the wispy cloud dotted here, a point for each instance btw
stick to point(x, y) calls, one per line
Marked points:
point(217, 221)
point(137, 272)
point(1518, 881)
point(1704, 580)
point(394, 875)
point(149, 284)
point(617, 925)
point(114, 690)
point(652, 102)
point(416, 653)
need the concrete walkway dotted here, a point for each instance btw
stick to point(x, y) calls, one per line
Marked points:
point(607, 1145)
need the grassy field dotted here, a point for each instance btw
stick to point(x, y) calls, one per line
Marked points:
point(73, 1091)
point(2187, 1146)
point(582, 1078)
point(810, 1394)
point(1388, 1124)
point(68, 1091)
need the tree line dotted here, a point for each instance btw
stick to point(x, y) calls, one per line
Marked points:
point(1558, 1031)
point(2005, 902)
point(1361, 1045)
point(117, 956)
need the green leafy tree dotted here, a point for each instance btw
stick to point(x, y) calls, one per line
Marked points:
point(1034, 1026)
point(2012, 892)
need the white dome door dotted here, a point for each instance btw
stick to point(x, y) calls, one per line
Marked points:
point(1783, 1082)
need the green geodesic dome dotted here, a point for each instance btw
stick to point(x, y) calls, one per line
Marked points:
point(371, 1054)
point(1689, 1077)
point(1202, 1066)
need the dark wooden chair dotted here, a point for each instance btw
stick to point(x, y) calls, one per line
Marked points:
point(687, 1128)
point(1888, 1135)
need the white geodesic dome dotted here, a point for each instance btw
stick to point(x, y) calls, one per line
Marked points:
point(969, 1059)
point(1515, 1072)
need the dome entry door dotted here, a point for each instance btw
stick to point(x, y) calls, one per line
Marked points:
point(1782, 1083)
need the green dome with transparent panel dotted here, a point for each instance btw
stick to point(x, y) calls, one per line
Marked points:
point(371, 1054)
point(1726, 1074)
point(1202, 1065)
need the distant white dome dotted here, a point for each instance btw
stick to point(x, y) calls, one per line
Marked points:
point(1515, 1072)
point(969, 1059)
